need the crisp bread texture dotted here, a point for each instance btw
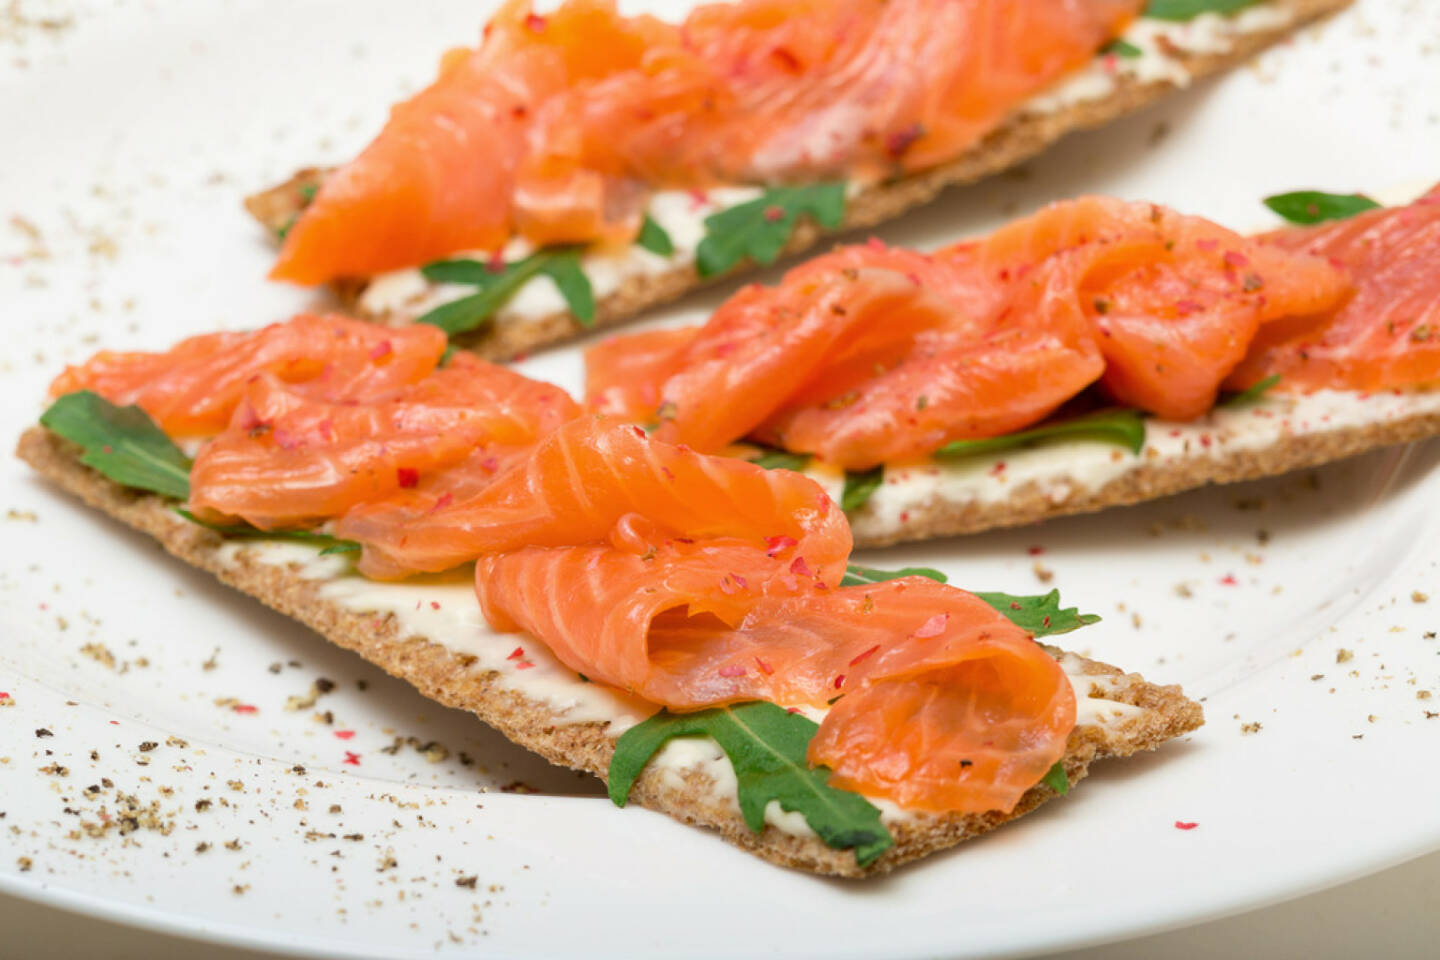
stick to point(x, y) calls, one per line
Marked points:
point(1014, 142)
point(1150, 480)
point(453, 679)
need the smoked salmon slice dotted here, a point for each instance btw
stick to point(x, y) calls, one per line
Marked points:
point(693, 581)
point(556, 127)
point(871, 354)
point(573, 486)
point(1387, 334)
point(289, 461)
point(193, 389)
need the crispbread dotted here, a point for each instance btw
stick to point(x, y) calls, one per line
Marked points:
point(1150, 479)
point(447, 677)
point(1018, 140)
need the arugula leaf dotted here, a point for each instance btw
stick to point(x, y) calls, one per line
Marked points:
point(1122, 48)
point(332, 544)
point(766, 746)
point(1190, 9)
point(471, 272)
point(859, 487)
point(123, 443)
point(307, 193)
point(759, 230)
point(1250, 394)
point(1121, 426)
point(654, 238)
point(1056, 779)
point(1041, 615)
point(495, 288)
point(856, 575)
point(1312, 206)
point(772, 459)
point(574, 286)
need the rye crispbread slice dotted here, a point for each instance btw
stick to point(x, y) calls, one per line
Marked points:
point(453, 680)
point(1016, 141)
point(1150, 479)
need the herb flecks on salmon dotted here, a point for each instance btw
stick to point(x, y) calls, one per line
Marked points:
point(557, 127)
point(873, 354)
point(1386, 334)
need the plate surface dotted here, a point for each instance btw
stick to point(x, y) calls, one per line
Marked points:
point(176, 756)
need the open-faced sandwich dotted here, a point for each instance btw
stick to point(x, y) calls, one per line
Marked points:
point(1096, 353)
point(581, 166)
point(687, 626)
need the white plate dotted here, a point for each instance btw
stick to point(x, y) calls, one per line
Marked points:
point(129, 138)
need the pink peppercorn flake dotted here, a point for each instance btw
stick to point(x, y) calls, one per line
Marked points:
point(443, 501)
point(352, 758)
point(774, 213)
point(800, 568)
point(839, 681)
point(1187, 307)
point(1235, 258)
point(733, 670)
point(639, 432)
point(1229, 580)
point(534, 23)
point(871, 652)
point(787, 59)
point(434, 605)
point(516, 654)
point(1035, 551)
point(381, 350)
point(765, 668)
point(407, 477)
point(775, 545)
point(901, 140)
point(524, 665)
point(344, 734)
point(245, 708)
point(932, 627)
point(1185, 825)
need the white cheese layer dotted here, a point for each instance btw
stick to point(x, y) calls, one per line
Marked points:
point(406, 294)
point(1158, 42)
point(444, 610)
point(1070, 469)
